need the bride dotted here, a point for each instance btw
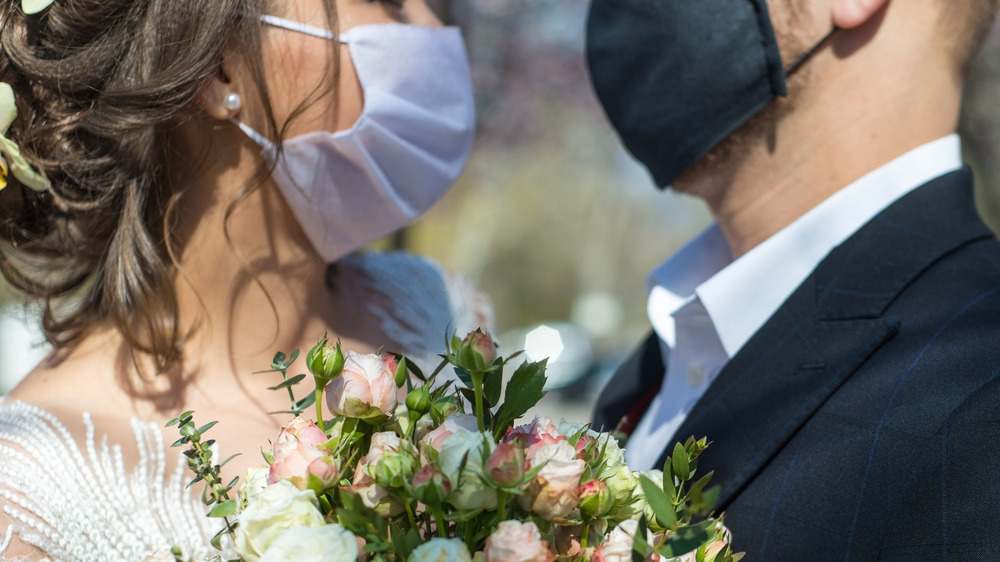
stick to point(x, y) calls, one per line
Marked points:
point(180, 175)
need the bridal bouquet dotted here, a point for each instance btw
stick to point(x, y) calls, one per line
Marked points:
point(411, 468)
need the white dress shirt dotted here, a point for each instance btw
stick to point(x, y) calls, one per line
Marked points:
point(704, 306)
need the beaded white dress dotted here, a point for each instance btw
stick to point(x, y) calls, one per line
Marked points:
point(75, 498)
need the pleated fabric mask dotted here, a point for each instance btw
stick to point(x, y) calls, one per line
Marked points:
point(411, 142)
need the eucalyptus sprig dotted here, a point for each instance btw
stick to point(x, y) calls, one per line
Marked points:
point(199, 460)
point(280, 364)
point(677, 503)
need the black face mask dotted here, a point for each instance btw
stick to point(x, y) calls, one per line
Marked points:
point(676, 77)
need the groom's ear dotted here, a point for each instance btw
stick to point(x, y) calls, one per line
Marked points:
point(849, 14)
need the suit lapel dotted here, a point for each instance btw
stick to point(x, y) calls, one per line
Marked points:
point(825, 331)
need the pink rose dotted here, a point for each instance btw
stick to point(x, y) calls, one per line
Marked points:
point(372, 495)
point(455, 422)
point(365, 389)
point(541, 431)
point(296, 455)
point(554, 492)
point(514, 541)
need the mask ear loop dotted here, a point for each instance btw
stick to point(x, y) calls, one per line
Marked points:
point(270, 150)
point(300, 27)
point(795, 66)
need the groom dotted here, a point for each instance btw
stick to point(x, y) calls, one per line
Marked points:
point(836, 333)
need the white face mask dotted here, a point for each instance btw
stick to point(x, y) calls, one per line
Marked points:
point(350, 188)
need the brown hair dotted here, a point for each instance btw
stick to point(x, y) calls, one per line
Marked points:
point(966, 25)
point(99, 84)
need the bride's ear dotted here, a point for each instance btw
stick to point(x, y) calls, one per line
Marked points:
point(221, 97)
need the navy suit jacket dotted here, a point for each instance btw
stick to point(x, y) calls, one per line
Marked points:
point(862, 421)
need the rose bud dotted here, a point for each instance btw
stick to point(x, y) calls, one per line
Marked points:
point(596, 499)
point(419, 400)
point(430, 487)
point(476, 352)
point(364, 485)
point(365, 390)
point(394, 468)
point(400, 371)
point(514, 541)
point(325, 362)
point(506, 465)
point(443, 408)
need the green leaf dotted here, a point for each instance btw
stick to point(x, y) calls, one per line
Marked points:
point(668, 482)
point(224, 509)
point(207, 426)
point(400, 546)
point(464, 376)
point(640, 548)
point(492, 385)
point(278, 363)
point(711, 497)
point(696, 493)
point(288, 383)
point(524, 390)
point(680, 462)
point(687, 539)
point(662, 506)
point(231, 457)
point(309, 400)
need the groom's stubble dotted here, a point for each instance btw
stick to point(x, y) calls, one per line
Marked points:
point(711, 176)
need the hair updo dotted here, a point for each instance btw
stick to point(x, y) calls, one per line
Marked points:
point(98, 85)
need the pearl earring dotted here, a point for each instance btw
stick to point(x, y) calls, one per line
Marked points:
point(232, 101)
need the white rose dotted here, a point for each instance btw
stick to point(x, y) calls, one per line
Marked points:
point(254, 483)
point(470, 492)
point(569, 429)
point(329, 543)
point(617, 546)
point(624, 484)
point(279, 507)
point(441, 550)
point(514, 541)
point(560, 467)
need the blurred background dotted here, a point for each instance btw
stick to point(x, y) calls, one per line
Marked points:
point(552, 218)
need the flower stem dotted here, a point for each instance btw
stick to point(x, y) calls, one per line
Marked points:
point(319, 409)
point(584, 533)
point(409, 513)
point(502, 505)
point(477, 386)
point(440, 522)
point(469, 536)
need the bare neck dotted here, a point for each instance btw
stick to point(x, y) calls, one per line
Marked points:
point(853, 121)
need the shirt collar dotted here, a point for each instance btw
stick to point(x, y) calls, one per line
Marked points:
point(739, 296)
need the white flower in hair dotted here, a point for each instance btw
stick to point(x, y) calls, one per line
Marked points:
point(12, 161)
point(34, 6)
